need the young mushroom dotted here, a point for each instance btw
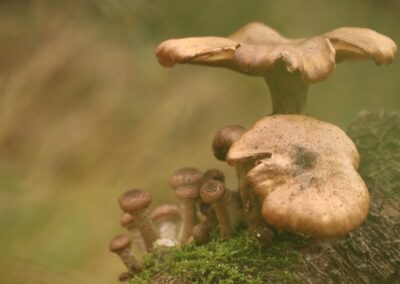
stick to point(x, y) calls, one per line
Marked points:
point(251, 206)
point(305, 174)
point(288, 65)
point(136, 202)
point(121, 245)
point(212, 192)
point(128, 222)
point(186, 183)
point(167, 217)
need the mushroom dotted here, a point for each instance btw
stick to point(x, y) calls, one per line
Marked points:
point(201, 233)
point(213, 192)
point(186, 182)
point(121, 245)
point(136, 202)
point(305, 174)
point(128, 222)
point(288, 65)
point(251, 206)
point(125, 277)
point(166, 217)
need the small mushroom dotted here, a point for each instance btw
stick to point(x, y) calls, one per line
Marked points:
point(213, 192)
point(305, 174)
point(186, 182)
point(288, 65)
point(125, 277)
point(136, 202)
point(251, 206)
point(128, 222)
point(213, 174)
point(121, 245)
point(166, 217)
point(201, 233)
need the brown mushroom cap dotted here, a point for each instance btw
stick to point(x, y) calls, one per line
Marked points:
point(127, 221)
point(256, 48)
point(187, 192)
point(169, 211)
point(119, 243)
point(305, 174)
point(224, 139)
point(185, 176)
point(214, 174)
point(134, 200)
point(212, 191)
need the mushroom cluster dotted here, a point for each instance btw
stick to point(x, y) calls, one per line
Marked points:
point(294, 172)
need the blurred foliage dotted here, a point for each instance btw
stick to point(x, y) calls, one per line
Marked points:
point(86, 112)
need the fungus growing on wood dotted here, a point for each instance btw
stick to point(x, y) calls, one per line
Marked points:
point(121, 245)
point(305, 174)
point(186, 183)
point(288, 65)
point(213, 192)
point(128, 222)
point(136, 202)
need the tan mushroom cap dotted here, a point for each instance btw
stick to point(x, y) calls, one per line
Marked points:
point(119, 243)
point(185, 176)
point(169, 211)
point(134, 200)
point(305, 174)
point(128, 221)
point(256, 48)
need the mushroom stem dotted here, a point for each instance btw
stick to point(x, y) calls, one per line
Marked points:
point(251, 206)
point(168, 230)
point(188, 209)
point(148, 230)
point(224, 220)
point(288, 92)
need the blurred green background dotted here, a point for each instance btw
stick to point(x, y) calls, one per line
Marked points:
point(86, 112)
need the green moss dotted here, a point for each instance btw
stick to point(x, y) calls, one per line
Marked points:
point(242, 259)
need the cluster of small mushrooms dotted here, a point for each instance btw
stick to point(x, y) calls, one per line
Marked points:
point(295, 173)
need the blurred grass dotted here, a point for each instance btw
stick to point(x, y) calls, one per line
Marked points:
point(86, 112)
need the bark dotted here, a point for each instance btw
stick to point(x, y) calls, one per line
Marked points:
point(372, 253)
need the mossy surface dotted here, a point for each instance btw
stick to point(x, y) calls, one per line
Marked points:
point(242, 259)
point(377, 136)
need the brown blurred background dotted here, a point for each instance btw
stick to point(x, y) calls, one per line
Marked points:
point(86, 112)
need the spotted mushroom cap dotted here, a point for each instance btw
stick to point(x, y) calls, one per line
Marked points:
point(256, 48)
point(212, 191)
point(187, 192)
point(305, 173)
point(119, 243)
point(134, 200)
point(166, 211)
point(185, 176)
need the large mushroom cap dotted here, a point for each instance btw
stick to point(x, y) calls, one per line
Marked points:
point(305, 174)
